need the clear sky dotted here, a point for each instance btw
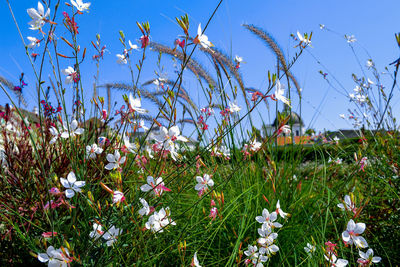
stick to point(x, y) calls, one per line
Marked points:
point(373, 23)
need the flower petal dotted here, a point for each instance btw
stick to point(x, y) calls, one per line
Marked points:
point(359, 229)
point(346, 236)
point(65, 135)
point(146, 188)
point(73, 125)
point(43, 257)
point(69, 193)
point(351, 225)
point(79, 184)
point(150, 180)
point(65, 183)
point(79, 131)
point(110, 166)
point(110, 158)
point(71, 178)
point(360, 242)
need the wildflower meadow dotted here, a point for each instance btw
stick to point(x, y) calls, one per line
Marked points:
point(181, 161)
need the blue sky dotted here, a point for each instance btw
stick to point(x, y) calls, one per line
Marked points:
point(373, 24)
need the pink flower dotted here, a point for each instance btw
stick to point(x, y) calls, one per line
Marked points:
point(330, 247)
point(49, 234)
point(103, 115)
point(144, 40)
point(180, 43)
point(53, 204)
point(55, 191)
point(156, 186)
point(255, 95)
point(363, 163)
point(118, 197)
point(213, 213)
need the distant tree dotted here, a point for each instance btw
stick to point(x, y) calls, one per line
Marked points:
point(310, 132)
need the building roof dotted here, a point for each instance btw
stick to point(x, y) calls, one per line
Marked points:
point(294, 119)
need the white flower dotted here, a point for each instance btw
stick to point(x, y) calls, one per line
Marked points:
point(158, 220)
point(338, 161)
point(72, 185)
point(342, 116)
point(233, 107)
point(335, 261)
point(309, 249)
point(370, 63)
point(159, 82)
point(54, 132)
point(146, 208)
point(350, 38)
point(135, 105)
point(357, 89)
point(131, 147)
point(121, 59)
point(172, 134)
point(255, 257)
point(203, 182)
point(202, 39)
point(34, 42)
point(251, 251)
point(72, 131)
point(267, 238)
point(118, 197)
point(268, 219)
point(279, 93)
point(368, 258)
point(92, 150)
point(321, 26)
point(370, 81)
point(153, 223)
point(221, 151)
point(133, 46)
point(157, 186)
point(348, 204)
point(111, 235)
point(280, 211)
point(71, 75)
point(269, 250)
point(255, 145)
point(114, 160)
point(3, 157)
point(361, 98)
point(304, 39)
point(238, 59)
point(54, 257)
point(352, 234)
point(166, 139)
point(80, 5)
point(97, 231)
point(141, 125)
point(195, 261)
point(225, 151)
point(149, 151)
point(38, 16)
